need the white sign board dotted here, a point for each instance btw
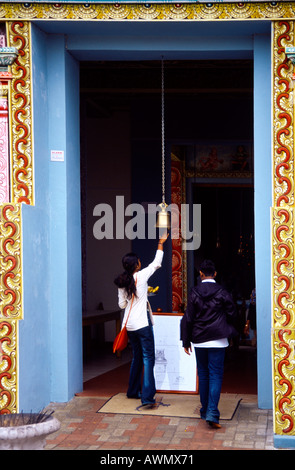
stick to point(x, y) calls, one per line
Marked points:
point(57, 155)
point(175, 371)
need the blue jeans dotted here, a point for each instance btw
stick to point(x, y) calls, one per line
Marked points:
point(210, 365)
point(143, 348)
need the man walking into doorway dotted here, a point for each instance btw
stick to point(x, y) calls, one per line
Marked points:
point(207, 324)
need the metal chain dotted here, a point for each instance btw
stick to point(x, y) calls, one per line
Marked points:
point(163, 136)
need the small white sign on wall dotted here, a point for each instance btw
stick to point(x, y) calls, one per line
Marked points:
point(57, 155)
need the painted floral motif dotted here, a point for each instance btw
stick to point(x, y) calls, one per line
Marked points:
point(283, 234)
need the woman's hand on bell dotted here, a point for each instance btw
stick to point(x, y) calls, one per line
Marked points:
point(164, 237)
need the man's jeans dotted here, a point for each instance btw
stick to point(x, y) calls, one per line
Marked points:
point(210, 365)
point(143, 348)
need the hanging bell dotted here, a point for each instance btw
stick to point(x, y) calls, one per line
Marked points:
point(163, 216)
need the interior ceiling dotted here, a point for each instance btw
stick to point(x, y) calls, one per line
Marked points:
point(181, 77)
point(112, 85)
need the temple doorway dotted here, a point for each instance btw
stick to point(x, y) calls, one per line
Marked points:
point(218, 175)
point(228, 234)
point(121, 155)
point(228, 239)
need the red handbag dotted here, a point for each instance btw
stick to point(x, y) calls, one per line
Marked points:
point(121, 339)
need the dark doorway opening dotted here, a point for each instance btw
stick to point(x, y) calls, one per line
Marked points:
point(228, 235)
point(121, 147)
point(228, 239)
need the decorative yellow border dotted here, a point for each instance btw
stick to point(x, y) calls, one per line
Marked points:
point(19, 17)
point(10, 262)
point(148, 11)
point(20, 114)
point(283, 321)
point(11, 303)
point(8, 371)
point(21, 176)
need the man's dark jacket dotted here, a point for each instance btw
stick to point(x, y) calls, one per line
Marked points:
point(210, 315)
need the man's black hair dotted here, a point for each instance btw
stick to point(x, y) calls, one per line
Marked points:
point(208, 267)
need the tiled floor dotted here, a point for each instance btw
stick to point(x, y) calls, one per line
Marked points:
point(82, 428)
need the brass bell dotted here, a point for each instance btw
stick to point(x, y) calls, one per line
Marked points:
point(163, 217)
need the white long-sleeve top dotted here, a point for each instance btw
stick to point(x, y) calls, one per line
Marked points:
point(138, 315)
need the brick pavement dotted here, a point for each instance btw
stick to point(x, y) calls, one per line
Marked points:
point(82, 428)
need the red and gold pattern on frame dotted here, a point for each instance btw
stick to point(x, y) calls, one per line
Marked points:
point(8, 375)
point(11, 303)
point(5, 82)
point(178, 256)
point(10, 262)
point(283, 338)
point(283, 170)
point(21, 154)
point(4, 141)
point(19, 134)
point(218, 11)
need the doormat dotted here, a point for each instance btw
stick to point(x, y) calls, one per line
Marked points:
point(170, 405)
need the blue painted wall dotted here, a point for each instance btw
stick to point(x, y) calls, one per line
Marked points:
point(65, 236)
point(74, 287)
point(65, 231)
point(50, 335)
point(34, 330)
point(262, 205)
point(51, 332)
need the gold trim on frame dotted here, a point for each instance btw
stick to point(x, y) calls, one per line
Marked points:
point(21, 114)
point(21, 189)
point(10, 262)
point(148, 11)
point(19, 17)
point(11, 304)
point(283, 315)
point(8, 366)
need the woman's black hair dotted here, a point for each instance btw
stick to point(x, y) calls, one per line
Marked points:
point(126, 279)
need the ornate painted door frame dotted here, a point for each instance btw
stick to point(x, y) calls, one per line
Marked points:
point(19, 96)
point(283, 312)
point(16, 91)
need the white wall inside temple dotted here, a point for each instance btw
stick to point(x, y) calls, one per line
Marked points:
point(108, 174)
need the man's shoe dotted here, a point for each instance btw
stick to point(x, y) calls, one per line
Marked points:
point(214, 425)
point(149, 405)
